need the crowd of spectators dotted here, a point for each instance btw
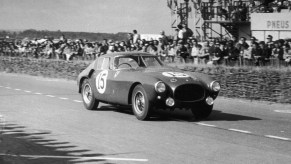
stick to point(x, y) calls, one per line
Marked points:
point(270, 6)
point(181, 48)
point(240, 10)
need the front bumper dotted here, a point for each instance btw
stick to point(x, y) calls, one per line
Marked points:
point(167, 103)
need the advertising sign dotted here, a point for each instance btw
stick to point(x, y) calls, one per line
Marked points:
point(271, 22)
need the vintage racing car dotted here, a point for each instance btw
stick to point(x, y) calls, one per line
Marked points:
point(144, 82)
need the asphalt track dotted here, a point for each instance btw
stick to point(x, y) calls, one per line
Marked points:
point(45, 121)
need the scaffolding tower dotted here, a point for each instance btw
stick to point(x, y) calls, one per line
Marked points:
point(213, 18)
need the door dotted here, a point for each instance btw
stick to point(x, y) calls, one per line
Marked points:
point(99, 79)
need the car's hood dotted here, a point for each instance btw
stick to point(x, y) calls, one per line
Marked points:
point(171, 76)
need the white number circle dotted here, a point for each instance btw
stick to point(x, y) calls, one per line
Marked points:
point(175, 74)
point(101, 80)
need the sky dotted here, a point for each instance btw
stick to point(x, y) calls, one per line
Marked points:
point(109, 16)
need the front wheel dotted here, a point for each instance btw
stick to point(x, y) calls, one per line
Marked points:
point(88, 97)
point(140, 103)
point(202, 111)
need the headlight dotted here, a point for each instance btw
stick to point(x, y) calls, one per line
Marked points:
point(160, 87)
point(215, 86)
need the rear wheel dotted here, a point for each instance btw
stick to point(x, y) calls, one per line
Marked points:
point(202, 111)
point(88, 97)
point(140, 103)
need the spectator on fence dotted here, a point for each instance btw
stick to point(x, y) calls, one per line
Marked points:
point(189, 49)
point(211, 49)
point(164, 39)
point(253, 40)
point(246, 55)
point(286, 54)
point(269, 39)
point(143, 46)
point(89, 51)
point(281, 56)
point(122, 46)
point(265, 54)
point(203, 54)
point(188, 32)
point(49, 50)
point(233, 53)
point(163, 52)
point(243, 11)
point(242, 44)
point(142, 42)
point(151, 48)
point(67, 51)
point(111, 47)
point(129, 39)
point(172, 52)
point(256, 53)
point(136, 36)
point(277, 53)
point(181, 33)
point(234, 40)
point(182, 52)
point(103, 48)
point(176, 35)
point(223, 13)
point(217, 54)
point(235, 14)
point(195, 52)
point(79, 48)
point(224, 53)
point(204, 58)
point(155, 47)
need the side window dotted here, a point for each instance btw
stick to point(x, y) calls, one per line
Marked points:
point(126, 63)
point(105, 64)
point(99, 63)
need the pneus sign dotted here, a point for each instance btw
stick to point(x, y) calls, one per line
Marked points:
point(101, 81)
point(270, 21)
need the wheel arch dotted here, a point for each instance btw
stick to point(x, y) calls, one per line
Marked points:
point(85, 77)
point(131, 90)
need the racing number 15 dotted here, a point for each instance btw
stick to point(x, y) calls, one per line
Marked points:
point(101, 81)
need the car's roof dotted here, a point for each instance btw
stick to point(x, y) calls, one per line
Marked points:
point(126, 54)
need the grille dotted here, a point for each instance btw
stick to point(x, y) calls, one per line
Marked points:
point(189, 92)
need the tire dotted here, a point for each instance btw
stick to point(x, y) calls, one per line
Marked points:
point(202, 111)
point(140, 103)
point(89, 100)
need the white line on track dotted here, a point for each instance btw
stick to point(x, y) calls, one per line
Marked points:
point(78, 157)
point(283, 111)
point(38, 93)
point(277, 137)
point(203, 124)
point(241, 131)
point(131, 159)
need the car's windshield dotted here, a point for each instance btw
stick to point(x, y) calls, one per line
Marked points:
point(135, 61)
